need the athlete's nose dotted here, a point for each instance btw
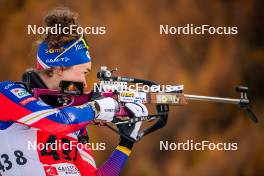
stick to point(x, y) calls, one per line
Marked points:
point(85, 83)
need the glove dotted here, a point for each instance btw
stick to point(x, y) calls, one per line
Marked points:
point(137, 109)
point(131, 131)
point(106, 108)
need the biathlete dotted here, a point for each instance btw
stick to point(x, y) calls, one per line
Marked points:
point(26, 120)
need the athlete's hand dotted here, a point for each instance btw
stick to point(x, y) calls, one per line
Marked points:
point(106, 108)
point(135, 110)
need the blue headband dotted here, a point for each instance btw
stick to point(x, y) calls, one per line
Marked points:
point(73, 53)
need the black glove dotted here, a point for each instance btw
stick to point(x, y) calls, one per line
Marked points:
point(129, 132)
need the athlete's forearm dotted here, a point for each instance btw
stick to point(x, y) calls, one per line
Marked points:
point(17, 105)
point(114, 165)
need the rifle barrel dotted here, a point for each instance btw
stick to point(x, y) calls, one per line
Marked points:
point(212, 99)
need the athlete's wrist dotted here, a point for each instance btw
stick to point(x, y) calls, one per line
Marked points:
point(124, 149)
point(126, 143)
point(95, 108)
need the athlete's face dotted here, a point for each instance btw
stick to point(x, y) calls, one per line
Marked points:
point(76, 73)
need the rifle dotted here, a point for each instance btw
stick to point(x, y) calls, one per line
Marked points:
point(71, 94)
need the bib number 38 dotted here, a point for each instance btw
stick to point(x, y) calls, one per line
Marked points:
point(6, 164)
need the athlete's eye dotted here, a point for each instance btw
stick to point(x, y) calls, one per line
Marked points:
point(86, 72)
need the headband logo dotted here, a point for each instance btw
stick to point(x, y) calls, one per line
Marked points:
point(62, 59)
point(54, 50)
point(79, 46)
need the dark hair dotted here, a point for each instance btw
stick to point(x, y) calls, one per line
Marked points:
point(62, 17)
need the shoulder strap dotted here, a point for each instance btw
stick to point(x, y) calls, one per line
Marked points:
point(32, 80)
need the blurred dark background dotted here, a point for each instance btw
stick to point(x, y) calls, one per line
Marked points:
point(205, 64)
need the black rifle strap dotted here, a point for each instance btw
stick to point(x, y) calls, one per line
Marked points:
point(33, 80)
